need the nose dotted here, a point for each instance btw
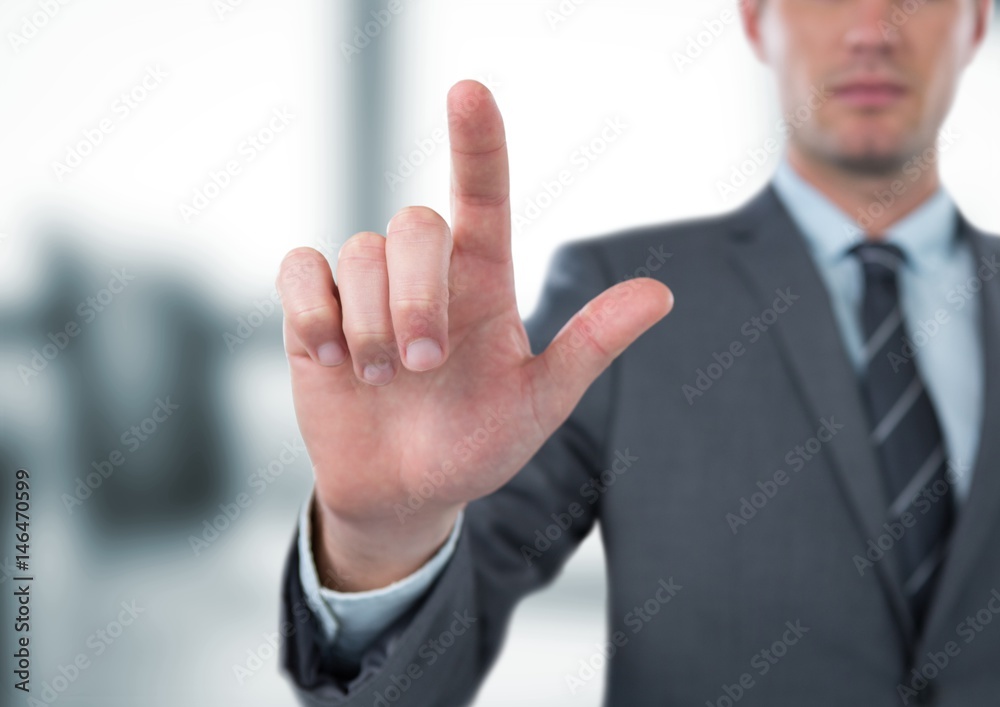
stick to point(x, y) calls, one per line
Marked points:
point(871, 30)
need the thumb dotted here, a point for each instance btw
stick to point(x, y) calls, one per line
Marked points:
point(590, 341)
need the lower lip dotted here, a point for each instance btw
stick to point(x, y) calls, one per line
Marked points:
point(870, 97)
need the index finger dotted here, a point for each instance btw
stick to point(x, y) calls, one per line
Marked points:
point(480, 174)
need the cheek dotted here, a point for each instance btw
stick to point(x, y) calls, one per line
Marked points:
point(801, 61)
point(940, 83)
point(942, 44)
point(800, 86)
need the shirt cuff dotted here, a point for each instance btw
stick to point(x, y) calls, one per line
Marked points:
point(352, 620)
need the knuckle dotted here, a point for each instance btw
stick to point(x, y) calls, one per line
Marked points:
point(417, 218)
point(485, 199)
point(307, 319)
point(419, 295)
point(363, 250)
point(418, 313)
point(365, 240)
point(372, 333)
point(301, 264)
point(585, 331)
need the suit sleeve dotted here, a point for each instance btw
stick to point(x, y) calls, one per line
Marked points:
point(351, 621)
point(513, 542)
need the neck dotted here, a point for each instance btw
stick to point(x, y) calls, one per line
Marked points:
point(874, 202)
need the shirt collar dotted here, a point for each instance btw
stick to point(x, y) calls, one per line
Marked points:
point(926, 235)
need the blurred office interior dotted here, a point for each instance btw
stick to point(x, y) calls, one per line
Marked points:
point(122, 221)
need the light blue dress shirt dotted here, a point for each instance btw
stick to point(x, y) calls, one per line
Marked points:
point(352, 620)
point(933, 288)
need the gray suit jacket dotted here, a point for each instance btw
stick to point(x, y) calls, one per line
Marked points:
point(726, 454)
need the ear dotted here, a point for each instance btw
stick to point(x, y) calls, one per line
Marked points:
point(751, 12)
point(984, 11)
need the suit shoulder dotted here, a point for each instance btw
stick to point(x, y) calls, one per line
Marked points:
point(688, 237)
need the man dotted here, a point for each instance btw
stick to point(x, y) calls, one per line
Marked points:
point(797, 500)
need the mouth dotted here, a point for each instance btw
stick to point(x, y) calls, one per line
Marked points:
point(870, 94)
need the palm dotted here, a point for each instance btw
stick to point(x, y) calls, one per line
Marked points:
point(459, 428)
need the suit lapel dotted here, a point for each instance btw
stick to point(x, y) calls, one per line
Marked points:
point(770, 253)
point(977, 517)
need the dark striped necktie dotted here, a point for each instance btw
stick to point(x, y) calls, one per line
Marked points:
point(904, 431)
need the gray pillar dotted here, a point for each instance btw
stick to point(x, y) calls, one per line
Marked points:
point(368, 121)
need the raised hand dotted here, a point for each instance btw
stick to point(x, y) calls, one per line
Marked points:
point(414, 384)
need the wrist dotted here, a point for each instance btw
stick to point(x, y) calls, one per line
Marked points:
point(360, 555)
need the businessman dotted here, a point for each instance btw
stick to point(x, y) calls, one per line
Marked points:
point(796, 471)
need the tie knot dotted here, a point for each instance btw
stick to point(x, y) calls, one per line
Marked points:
point(879, 259)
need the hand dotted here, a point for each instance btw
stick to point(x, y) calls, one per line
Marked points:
point(414, 384)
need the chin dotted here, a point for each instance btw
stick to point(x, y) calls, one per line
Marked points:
point(874, 155)
point(870, 164)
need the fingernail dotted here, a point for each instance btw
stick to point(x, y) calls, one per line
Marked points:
point(423, 354)
point(331, 354)
point(378, 373)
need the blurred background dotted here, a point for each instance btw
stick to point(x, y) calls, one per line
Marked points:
point(158, 158)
